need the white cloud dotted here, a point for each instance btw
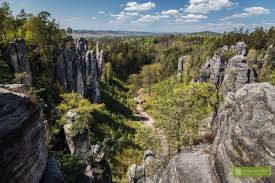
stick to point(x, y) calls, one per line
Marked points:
point(132, 14)
point(122, 17)
point(134, 6)
point(205, 6)
point(101, 12)
point(150, 18)
point(257, 11)
point(170, 12)
point(93, 18)
point(190, 18)
point(249, 12)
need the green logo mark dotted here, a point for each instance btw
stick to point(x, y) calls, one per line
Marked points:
point(260, 171)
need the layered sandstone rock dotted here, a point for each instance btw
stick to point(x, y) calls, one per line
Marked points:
point(23, 153)
point(230, 74)
point(97, 168)
point(81, 70)
point(237, 74)
point(245, 132)
point(189, 167)
point(145, 172)
point(79, 144)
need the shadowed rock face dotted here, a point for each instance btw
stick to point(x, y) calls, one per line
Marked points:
point(52, 173)
point(213, 69)
point(245, 131)
point(18, 59)
point(23, 153)
point(80, 144)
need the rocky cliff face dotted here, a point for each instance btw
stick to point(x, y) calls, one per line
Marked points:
point(18, 59)
point(77, 68)
point(97, 169)
point(189, 167)
point(230, 74)
point(80, 70)
point(245, 135)
point(23, 153)
point(237, 74)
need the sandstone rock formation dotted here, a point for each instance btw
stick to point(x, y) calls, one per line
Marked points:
point(245, 135)
point(80, 70)
point(18, 59)
point(23, 153)
point(143, 173)
point(52, 173)
point(240, 48)
point(237, 74)
point(97, 169)
point(77, 68)
point(80, 144)
point(230, 74)
point(189, 167)
point(66, 70)
point(213, 69)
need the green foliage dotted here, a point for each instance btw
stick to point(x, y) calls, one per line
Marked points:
point(20, 77)
point(71, 166)
point(252, 58)
point(107, 73)
point(135, 82)
point(82, 107)
point(147, 139)
point(180, 116)
point(269, 65)
point(272, 78)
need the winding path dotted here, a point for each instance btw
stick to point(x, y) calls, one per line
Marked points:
point(149, 122)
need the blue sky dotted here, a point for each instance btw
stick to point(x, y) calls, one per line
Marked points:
point(154, 15)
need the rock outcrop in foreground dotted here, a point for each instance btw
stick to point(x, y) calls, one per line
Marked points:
point(23, 153)
point(245, 131)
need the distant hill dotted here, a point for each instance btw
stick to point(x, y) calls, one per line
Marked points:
point(110, 33)
point(204, 33)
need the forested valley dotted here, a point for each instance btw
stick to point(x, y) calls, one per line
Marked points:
point(92, 97)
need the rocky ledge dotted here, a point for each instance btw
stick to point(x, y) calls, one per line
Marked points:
point(23, 153)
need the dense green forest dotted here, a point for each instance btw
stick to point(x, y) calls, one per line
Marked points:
point(131, 64)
